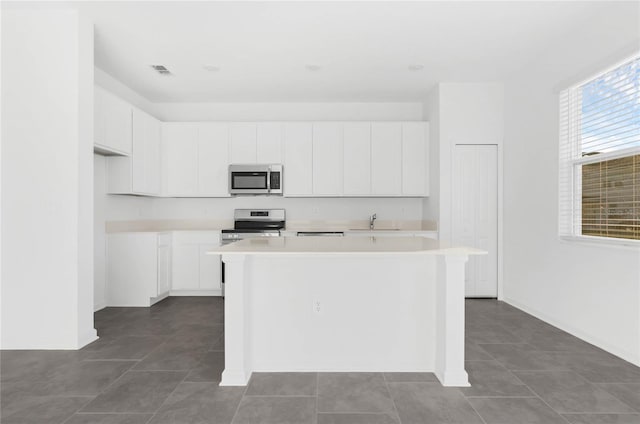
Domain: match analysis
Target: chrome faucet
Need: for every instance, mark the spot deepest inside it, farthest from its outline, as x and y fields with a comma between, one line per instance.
x=372, y=220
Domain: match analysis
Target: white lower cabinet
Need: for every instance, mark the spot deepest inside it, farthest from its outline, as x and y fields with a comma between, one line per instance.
x=138, y=268
x=193, y=271
x=164, y=263
x=144, y=268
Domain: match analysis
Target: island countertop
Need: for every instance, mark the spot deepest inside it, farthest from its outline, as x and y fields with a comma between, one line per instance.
x=341, y=245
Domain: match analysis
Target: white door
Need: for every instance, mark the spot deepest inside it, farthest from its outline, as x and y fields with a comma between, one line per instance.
x=213, y=160
x=414, y=159
x=186, y=267
x=152, y=155
x=327, y=159
x=180, y=142
x=357, y=158
x=139, y=150
x=209, y=268
x=269, y=142
x=475, y=214
x=298, y=159
x=243, y=143
x=164, y=269
x=386, y=158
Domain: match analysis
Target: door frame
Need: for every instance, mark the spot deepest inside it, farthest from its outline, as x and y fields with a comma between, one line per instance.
x=500, y=217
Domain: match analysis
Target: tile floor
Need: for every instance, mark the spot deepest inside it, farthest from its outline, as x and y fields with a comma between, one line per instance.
x=161, y=365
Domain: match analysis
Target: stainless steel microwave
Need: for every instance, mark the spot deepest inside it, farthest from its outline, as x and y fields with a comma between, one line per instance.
x=255, y=179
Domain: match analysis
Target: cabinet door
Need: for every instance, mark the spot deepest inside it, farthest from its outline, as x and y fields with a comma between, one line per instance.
x=152, y=155
x=99, y=117
x=138, y=183
x=357, y=158
x=414, y=159
x=164, y=269
x=186, y=264
x=269, y=142
x=327, y=159
x=209, y=268
x=213, y=160
x=180, y=142
x=386, y=159
x=243, y=143
x=112, y=122
x=298, y=159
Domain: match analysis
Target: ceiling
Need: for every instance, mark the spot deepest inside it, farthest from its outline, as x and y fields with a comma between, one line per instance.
x=364, y=49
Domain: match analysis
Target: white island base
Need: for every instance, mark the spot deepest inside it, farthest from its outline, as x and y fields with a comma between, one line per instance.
x=344, y=304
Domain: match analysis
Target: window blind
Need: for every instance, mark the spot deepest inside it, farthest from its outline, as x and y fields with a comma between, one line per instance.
x=600, y=155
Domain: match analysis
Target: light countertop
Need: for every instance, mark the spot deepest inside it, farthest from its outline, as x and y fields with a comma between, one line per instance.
x=159, y=225
x=341, y=245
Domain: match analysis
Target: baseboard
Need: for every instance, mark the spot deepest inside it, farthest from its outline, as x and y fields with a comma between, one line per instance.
x=85, y=339
x=155, y=300
x=634, y=358
x=217, y=292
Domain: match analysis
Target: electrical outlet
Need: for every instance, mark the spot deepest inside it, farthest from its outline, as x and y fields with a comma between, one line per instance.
x=316, y=306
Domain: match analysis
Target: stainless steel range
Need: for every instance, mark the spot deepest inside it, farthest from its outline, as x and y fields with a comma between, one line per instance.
x=250, y=223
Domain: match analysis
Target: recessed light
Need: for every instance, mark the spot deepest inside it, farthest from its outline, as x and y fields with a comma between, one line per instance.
x=313, y=68
x=211, y=68
x=416, y=67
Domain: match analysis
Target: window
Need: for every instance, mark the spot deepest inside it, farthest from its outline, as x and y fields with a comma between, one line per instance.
x=600, y=155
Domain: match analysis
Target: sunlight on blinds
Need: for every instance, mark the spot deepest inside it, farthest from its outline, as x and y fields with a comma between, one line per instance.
x=600, y=155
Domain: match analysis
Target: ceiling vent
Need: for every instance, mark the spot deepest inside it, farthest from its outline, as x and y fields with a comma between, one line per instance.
x=161, y=69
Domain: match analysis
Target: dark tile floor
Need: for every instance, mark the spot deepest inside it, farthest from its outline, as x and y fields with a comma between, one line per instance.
x=162, y=365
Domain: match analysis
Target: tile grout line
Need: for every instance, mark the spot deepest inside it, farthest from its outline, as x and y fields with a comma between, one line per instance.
x=393, y=401
x=317, y=396
x=241, y=399
x=167, y=398
x=77, y=410
x=539, y=397
x=474, y=409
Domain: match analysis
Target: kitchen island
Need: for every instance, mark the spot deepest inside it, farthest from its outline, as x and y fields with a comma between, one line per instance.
x=384, y=304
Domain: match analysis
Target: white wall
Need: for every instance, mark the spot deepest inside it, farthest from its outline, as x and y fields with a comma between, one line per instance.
x=592, y=291
x=460, y=113
x=47, y=127
x=123, y=91
x=298, y=209
x=431, y=113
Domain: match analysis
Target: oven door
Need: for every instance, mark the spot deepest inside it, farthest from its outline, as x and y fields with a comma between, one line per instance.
x=247, y=180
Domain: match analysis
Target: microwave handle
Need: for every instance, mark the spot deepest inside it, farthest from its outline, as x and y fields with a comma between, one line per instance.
x=269, y=181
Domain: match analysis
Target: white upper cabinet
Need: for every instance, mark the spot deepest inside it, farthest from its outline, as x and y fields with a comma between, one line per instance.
x=327, y=159
x=152, y=158
x=180, y=144
x=415, y=159
x=213, y=160
x=139, y=173
x=322, y=159
x=269, y=142
x=298, y=159
x=196, y=159
x=243, y=143
x=386, y=159
x=112, y=123
x=357, y=158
